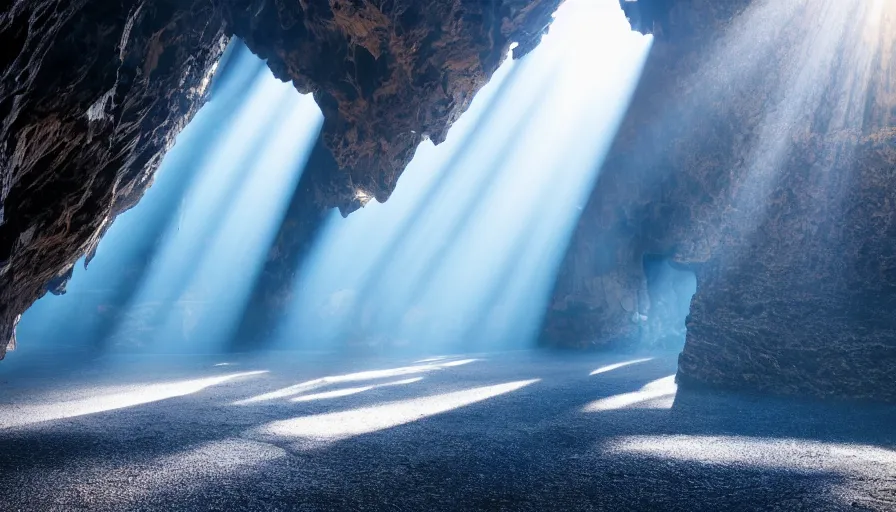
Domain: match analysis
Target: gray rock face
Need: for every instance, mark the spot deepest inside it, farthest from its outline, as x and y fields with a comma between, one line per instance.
x=760, y=150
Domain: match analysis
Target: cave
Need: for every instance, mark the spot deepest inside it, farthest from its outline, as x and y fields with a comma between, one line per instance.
x=453, y=255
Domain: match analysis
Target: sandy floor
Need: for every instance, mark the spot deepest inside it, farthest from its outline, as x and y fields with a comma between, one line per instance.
x=511, y=431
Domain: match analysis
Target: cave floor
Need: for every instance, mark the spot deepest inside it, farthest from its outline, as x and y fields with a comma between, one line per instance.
x=470, y=432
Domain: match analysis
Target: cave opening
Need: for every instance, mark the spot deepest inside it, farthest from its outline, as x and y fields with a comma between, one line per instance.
x=670, y=288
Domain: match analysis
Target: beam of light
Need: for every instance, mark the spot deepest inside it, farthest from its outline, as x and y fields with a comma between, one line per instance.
x=828, y=68
x=336, y=272
x=123, y=258
x=479, y=253
x=345, y=424
x=658, y=394
x=782, y=75
x=129, y=396
x=244, y=153
x=765, y=453
x=235, y=209
x=616, y=366
x=339, y=393
x=471, y=262
x=351, y=377
x=805, y=74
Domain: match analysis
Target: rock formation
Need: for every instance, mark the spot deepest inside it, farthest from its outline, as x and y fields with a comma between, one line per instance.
x=92, y=94
x=386, y=74
x=94, y=91
x=759, y=151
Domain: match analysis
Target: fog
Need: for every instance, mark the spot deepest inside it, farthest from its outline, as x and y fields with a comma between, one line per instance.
x=463, y=256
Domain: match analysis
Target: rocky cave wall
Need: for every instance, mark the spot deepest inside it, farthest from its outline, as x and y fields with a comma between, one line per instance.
x=777, y=188
x=797, y=280
x=93, y=93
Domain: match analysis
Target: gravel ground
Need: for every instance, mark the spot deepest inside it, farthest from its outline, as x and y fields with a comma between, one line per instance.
x=507, y=431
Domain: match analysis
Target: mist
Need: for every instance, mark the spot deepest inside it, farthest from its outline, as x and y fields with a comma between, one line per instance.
x=462, y=257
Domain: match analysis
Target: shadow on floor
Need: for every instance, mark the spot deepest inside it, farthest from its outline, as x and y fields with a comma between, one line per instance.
x=532, y=447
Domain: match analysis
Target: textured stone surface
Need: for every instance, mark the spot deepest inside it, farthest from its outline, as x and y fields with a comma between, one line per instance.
x=303, y=221
x=761, y=152
x=92, y=94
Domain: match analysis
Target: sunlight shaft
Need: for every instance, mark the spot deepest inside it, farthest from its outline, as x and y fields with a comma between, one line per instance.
x=656, y=394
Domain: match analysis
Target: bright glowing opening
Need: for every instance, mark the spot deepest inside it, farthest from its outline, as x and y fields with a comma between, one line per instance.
x=670, y=290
